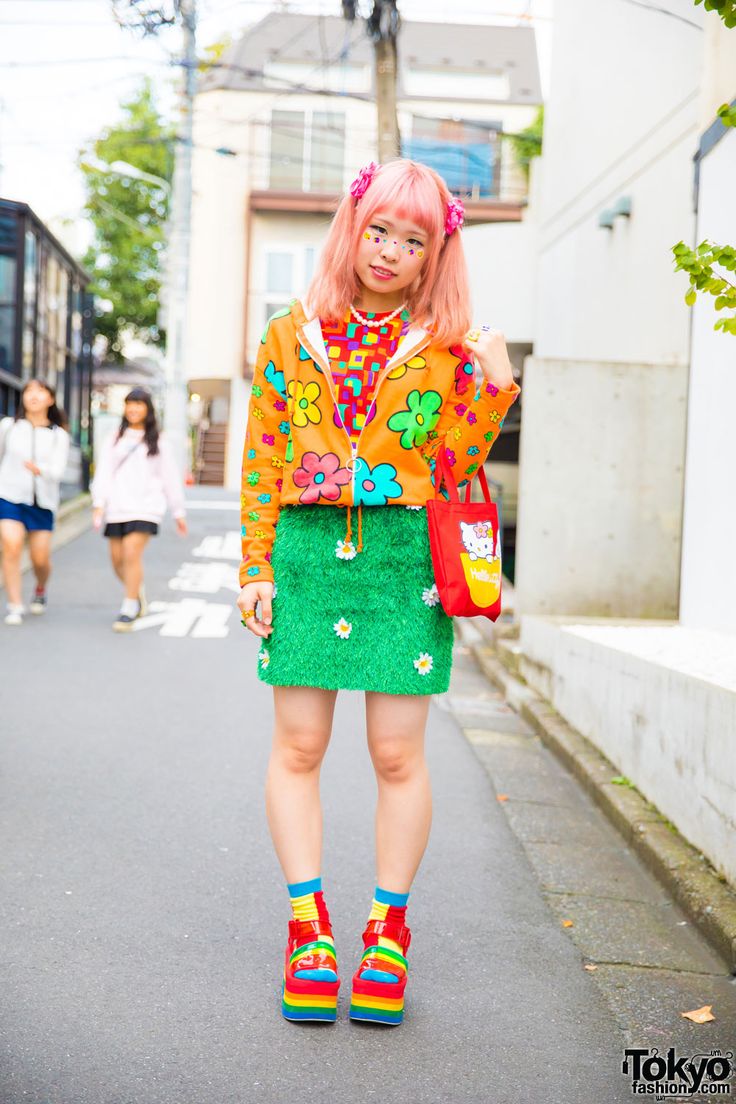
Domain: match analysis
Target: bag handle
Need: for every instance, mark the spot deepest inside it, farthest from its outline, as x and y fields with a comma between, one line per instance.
x=445, y=474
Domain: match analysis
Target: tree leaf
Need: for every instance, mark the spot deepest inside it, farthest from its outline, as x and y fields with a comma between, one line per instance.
x=700, y=1015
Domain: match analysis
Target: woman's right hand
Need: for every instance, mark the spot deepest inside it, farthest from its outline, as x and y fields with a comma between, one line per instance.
x=97, y=515
x=250, y=595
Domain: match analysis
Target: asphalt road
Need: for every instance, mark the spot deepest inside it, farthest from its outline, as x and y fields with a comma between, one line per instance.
x=143, y=914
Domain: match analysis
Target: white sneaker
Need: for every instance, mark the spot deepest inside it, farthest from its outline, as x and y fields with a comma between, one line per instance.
x=14, y=616
x=38, y=602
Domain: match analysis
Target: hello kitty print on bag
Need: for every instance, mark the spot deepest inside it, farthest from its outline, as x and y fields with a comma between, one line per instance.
x=481, y=561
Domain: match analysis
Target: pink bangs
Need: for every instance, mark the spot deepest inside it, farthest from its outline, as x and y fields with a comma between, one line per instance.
x=439, y=300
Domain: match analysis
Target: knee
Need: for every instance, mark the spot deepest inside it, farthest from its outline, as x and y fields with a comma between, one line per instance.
x=301, y=751
x=394, y=760
x=12, y=550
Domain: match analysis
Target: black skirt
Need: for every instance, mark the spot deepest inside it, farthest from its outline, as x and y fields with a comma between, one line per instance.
x=122, y=528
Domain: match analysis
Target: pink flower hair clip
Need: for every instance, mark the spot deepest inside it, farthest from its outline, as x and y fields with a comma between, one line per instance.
x=362, y=181
x=455, y=216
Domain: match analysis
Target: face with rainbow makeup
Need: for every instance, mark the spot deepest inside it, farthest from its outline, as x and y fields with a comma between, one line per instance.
x=390, y=256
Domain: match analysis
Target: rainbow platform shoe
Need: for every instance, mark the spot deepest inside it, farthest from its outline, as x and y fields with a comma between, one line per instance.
x=310, y=998
x=375, y=997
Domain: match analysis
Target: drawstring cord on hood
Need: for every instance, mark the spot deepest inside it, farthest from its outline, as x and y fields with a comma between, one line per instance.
x=349, y=533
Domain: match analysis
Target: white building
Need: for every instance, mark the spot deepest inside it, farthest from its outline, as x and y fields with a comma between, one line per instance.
x=627, y=448
x=281, y=127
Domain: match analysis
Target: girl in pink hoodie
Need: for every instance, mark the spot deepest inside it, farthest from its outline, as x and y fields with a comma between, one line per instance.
x=135, y=480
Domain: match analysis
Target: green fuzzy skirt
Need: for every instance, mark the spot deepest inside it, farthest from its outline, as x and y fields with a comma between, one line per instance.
x=369, y=621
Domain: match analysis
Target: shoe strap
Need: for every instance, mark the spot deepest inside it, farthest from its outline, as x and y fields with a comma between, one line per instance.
x=308, y=931
x=389, y=929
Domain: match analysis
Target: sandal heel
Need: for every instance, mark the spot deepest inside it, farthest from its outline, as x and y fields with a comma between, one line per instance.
x=312, y=1001
x=372, y=1001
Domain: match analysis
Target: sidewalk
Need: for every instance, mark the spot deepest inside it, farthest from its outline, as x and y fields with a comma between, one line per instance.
x=143, y=914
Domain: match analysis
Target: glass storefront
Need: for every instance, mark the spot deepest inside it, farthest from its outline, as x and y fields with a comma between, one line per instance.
x=45, y=326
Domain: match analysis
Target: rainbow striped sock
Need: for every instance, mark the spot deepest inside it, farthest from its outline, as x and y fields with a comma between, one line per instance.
x=307, y=903
x=387, y=906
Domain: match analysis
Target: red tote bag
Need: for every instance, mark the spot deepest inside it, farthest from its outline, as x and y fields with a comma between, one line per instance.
x=466, y=547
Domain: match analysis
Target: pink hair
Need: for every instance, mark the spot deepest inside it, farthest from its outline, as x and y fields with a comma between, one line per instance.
x=439, y=299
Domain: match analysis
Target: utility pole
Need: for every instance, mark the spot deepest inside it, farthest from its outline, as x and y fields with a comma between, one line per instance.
x=383, y=24
x=175, y=416
x=147, y=17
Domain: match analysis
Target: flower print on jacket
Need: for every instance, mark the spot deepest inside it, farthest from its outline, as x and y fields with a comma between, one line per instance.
x=465, y=372
x=415, y=423
x=417, y=362
x=374, y=487
x=303, y=403
x=321, y=477
x=276, y=378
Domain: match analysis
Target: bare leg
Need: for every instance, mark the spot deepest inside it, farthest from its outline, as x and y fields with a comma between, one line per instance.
x=12, y=534
x=396, y=725
x=303, y=725
x=39, y=541
x=133, y=546
x=116, y=557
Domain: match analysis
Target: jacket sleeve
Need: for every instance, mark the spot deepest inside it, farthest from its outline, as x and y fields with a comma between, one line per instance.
x=266, y=438
x=171, y=479
x=470, y=420
x=56, y=466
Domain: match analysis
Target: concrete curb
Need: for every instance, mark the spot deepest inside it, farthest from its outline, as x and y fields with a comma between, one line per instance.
x=72, y=519
x=686, y=874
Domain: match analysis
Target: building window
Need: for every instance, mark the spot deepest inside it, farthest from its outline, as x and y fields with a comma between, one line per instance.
x=307, y=150
x=279, y=273
x=326, y=154
x=7, y=313
x=287, y=149
x=466, y=155
x=287, y=274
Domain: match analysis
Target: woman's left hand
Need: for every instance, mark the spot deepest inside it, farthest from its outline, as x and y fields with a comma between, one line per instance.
x=181, y=526
x=489, y=346
x=32, y=467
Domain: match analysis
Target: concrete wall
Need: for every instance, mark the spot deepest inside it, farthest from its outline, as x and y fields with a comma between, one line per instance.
x=660, y=703
x=709, y=533
x=602, y=448
x=501, y=266
x=601, y=473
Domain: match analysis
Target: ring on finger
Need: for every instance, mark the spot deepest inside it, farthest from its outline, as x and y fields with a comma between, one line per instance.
x=247, y=614
x=473, y=335
x=486, y=329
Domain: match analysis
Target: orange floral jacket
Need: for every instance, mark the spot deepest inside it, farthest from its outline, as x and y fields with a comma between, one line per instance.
x=297, y=452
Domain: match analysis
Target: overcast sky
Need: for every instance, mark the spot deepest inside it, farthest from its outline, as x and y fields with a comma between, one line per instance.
x=65, y=65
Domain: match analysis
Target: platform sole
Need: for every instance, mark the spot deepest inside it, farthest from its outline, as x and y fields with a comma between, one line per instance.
x=369, y=1002
x=316, y=1002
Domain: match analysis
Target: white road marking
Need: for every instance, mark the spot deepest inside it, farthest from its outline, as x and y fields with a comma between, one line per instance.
x=225, y=546
x=190, y=616
x=206, y=578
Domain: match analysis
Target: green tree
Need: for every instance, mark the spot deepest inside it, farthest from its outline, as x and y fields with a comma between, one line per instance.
x=528, y=142
x=128, y=216
x=699, y=262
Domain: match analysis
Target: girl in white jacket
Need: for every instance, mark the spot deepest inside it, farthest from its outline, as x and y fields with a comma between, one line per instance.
x=34, y=449
x=136, y=477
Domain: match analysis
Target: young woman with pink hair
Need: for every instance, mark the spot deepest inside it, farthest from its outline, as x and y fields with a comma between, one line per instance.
x=355, y=391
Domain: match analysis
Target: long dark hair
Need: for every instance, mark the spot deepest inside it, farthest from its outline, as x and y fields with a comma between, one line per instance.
x=55, y=414
x=150, y=428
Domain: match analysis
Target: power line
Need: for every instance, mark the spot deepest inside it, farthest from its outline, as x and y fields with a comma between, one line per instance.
x=665, y=11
